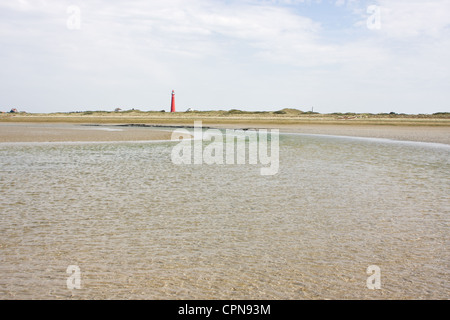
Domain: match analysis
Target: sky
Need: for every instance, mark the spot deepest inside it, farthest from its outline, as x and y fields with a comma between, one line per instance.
x=365, y=56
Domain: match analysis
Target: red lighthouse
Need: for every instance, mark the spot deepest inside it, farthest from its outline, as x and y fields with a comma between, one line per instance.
x=172, y=108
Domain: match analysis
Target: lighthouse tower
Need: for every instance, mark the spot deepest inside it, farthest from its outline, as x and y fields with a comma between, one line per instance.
x=172, y=108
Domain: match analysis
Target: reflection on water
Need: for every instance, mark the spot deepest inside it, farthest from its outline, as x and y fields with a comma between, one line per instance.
x=140, y=227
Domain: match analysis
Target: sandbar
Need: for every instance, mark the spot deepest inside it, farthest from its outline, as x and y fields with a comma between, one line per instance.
x=432, y=134
x=155, y=130
x=56, y=132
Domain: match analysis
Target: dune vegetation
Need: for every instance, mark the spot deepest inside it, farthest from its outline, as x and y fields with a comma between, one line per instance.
x=232, y=116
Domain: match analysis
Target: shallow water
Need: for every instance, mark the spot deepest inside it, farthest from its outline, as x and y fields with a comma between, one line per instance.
x=140, y=227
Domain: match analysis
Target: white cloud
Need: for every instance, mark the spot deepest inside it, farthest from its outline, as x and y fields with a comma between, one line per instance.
x=408, y=19
x=128, y=49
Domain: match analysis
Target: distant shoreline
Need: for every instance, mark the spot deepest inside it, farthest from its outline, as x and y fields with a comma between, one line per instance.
x=423, y=128
x=232, y=117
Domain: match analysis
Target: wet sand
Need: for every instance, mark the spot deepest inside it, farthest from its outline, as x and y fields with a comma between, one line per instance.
x=49, y=132
x=403, y=133
x=64, y=132
x=421, y=134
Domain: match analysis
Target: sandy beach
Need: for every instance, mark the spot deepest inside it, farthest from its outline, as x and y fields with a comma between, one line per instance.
x=405, y=133
x=50, y=132
x=126, y=126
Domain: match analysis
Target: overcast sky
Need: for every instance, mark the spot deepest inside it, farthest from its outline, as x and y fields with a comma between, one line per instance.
x=333, y=55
